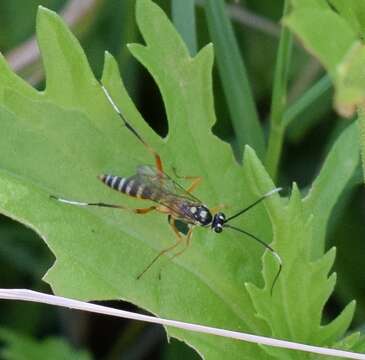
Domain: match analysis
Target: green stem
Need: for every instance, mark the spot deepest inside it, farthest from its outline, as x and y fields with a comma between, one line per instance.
x=306, y=100
x=278, y=103
x=361, y=117
x=233, y=74
x=183, y=17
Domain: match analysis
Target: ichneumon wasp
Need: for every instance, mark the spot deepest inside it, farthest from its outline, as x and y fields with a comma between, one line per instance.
x=170, y=198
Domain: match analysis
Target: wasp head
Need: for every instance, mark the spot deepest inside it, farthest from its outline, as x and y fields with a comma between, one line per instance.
x=218, y=222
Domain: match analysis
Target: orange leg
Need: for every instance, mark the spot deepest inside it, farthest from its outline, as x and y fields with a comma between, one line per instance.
x=187, y=243
x=158, y=161
x=143, y=210
x=195, y=183
x=196, y=180
x=215, y=209
x=180, y=239
x=187, y=239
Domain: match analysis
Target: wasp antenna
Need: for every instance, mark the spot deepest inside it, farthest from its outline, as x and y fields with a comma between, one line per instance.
x=79, y=203
x=117, y=110
x=71, y=202
x=263, y=197
x=279, y=271
x=110, y=99
x=268, y=247
x=272, y=192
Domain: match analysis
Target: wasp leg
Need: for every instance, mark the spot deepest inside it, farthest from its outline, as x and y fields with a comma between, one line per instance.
x=143, y=210
x=157, y=157
x=180, y=239
x=187, y=239
x=187, y=243
x=196, y=180
x=215, y=209
x=195, y=183
x=100, y=204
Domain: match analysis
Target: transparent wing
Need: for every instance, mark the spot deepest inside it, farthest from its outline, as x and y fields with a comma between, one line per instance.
x=163, y=183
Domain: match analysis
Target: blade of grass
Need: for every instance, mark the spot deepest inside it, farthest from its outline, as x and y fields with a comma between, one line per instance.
x=34, y=296
x=125, y=30
x=183, y=17
x=307, y=99
x=234, y=78
x=279, y=101
x=361, y=117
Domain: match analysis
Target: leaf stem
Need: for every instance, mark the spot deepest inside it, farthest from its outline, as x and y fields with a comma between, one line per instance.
x=278, y=102
x=306, y=100
x=234, y=79
x=361, y=117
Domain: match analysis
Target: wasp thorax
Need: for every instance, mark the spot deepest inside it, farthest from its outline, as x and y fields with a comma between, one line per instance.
x=201, y=214
x=218, y=222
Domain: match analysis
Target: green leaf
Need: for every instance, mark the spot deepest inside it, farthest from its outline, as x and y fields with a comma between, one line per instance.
x=234, y=78
x=301, y=278
x=353, y=342
x=8, y=78
x=354, y=12
x=58, y=141
x=343, y=54
x=67, y=135
x=328, y=48
x=350, y=82
x=19, y=347
x=338, y=47
x=310, y=4
x=335, y=174
x=299, y=229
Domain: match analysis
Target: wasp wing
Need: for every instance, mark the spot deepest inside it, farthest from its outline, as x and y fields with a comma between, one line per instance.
x=160, y=180
x=166, y=191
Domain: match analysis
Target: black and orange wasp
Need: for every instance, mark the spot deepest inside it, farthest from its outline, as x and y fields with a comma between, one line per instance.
x=170, y=198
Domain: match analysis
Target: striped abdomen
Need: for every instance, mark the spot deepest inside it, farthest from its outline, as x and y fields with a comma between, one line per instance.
x=130, y=186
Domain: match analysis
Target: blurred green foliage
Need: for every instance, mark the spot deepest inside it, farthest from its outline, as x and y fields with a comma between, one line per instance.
x=18, y=346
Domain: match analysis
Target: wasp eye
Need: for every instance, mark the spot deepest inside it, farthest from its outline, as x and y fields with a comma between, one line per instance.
x=218, y=229
x=218, y=222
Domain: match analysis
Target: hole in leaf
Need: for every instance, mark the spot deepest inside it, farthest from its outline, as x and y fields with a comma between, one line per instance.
x=151, y=104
